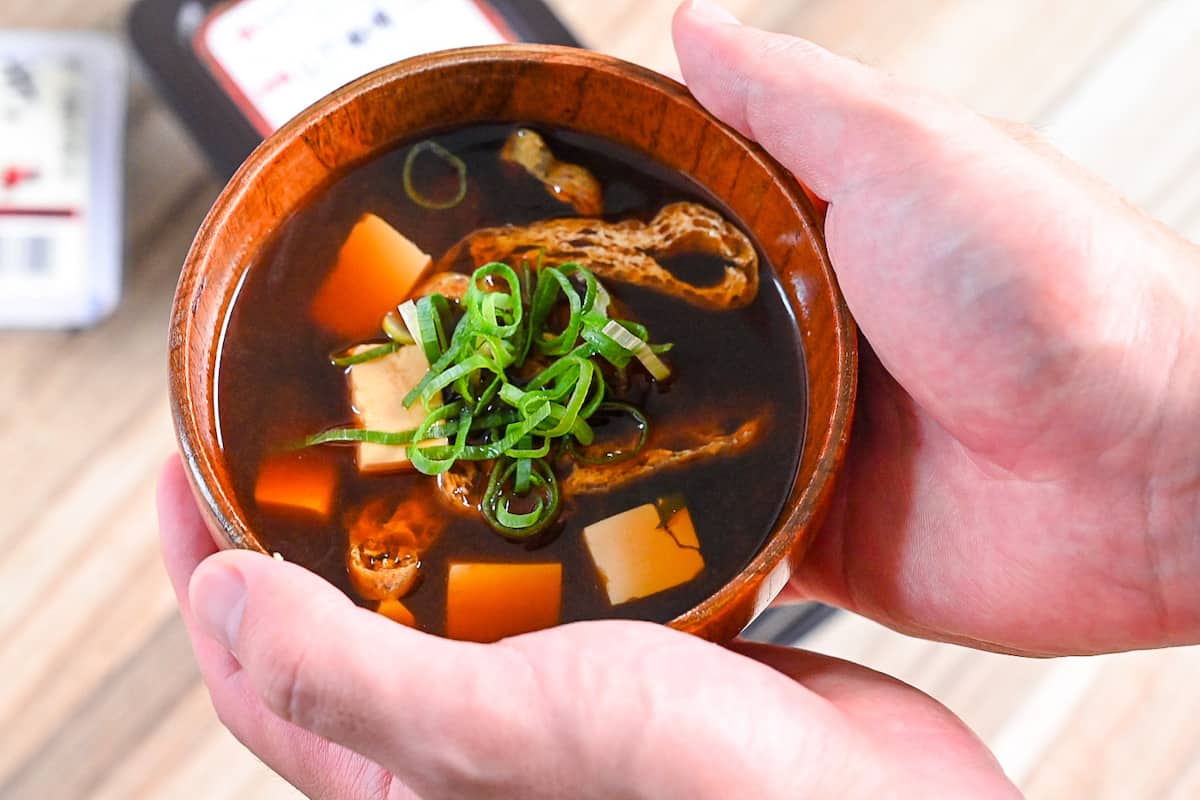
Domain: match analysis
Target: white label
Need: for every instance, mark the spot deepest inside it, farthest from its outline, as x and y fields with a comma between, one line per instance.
x=43, y=173
x=61, y=106
x=277, y=57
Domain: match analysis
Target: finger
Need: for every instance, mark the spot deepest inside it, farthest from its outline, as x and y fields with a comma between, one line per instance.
x=313, y=765
x=851, y=687
x=529, y=717
x=895, y=714
x=184, y=538
x=432, y=710
x=590, y=709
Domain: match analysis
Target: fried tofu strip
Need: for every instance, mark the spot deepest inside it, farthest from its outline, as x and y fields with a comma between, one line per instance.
x=570, y=183
x=451, y=285
x=461, y=486
x=596, y=478
x=628, y=251
x=383, y=557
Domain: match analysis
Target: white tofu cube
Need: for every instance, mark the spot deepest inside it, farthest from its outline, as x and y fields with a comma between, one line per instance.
x=637, y=555
x=377, y=390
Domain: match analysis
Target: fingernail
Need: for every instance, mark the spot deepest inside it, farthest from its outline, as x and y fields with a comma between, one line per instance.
x=219, y=600
x=709, y=11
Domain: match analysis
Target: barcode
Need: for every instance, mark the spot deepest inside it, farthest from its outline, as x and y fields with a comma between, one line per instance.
x=27, y=255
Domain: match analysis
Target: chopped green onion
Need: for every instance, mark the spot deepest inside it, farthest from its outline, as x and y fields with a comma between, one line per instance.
x=408, y=314
x=487, y=399
x=497, y=501
x=615, y=456
x=404, y=438
x=454, y=161
x=342, y=435
x=351, y=359
x=605, y=347
x=603, y=300
x=552, y=282
x=495, y=313
x=517, y=521
x=395, y=329
x=653, y=364
x=430, y=311
x=524, y=472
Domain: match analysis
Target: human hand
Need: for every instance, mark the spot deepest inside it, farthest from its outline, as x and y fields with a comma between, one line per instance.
x=1024, y=473
x=344, y=703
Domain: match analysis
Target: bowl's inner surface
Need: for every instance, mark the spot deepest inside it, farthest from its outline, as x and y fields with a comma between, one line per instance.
x=275, y=384
x=552, y=88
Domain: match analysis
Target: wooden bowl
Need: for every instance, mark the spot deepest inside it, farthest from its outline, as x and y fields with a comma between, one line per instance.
x=550, y=86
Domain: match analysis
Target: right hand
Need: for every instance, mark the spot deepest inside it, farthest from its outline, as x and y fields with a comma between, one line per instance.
x=1024, y=472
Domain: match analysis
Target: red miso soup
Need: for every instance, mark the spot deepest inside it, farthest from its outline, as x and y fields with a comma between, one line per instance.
x=508, y=377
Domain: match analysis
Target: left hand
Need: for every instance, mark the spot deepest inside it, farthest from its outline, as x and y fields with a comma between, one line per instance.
x=344, y=703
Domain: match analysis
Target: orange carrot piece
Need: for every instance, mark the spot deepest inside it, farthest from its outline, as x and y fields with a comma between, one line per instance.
x=376, y=270
x=302, y=481
x=397, y=612
x=487, y=602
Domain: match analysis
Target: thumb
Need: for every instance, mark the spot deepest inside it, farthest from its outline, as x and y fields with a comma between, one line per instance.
x=413, y=703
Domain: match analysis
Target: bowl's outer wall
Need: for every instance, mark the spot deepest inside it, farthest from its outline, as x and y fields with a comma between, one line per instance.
x=552, y=86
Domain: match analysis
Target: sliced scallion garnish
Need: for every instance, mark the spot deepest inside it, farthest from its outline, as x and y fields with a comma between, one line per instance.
x=363, y=356
x=477, y=349
x=395, y=329
x=614, y=456
x=445, y=155
x=621, y=335
x=497, y=501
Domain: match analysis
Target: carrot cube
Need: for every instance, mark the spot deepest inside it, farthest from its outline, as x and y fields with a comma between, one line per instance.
x=377, y=269
x=487, y=602
x=300, y=481
x=397, y=612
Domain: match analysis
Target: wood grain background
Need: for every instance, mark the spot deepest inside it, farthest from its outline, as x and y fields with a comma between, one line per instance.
x=98, y=694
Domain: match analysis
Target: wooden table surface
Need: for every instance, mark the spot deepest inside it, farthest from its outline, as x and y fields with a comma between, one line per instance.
x=99, y=697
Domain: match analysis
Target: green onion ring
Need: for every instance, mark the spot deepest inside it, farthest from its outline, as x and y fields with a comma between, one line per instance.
x=445, y=155
x=485, y=307
x=616, y=456
x=541, y=477
x=524, y=473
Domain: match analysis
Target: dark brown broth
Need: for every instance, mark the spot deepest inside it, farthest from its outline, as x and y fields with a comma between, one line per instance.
x=276, y=384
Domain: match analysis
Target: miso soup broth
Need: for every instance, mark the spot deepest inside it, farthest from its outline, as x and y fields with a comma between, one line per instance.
x=666, y=526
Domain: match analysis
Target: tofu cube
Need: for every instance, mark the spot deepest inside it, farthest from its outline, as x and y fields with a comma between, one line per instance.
x=376, y=270
x=377, y=390
x=638, y=554
x=488, y=602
